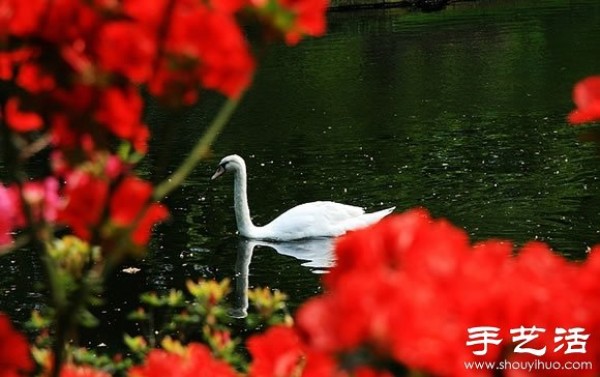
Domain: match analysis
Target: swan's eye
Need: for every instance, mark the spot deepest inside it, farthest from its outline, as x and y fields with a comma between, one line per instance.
x=224, y=164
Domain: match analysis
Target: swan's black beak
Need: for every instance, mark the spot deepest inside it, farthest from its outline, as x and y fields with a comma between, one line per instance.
x=220, y=171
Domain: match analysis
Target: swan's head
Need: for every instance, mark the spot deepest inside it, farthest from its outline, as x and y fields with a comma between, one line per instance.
x=229, y=163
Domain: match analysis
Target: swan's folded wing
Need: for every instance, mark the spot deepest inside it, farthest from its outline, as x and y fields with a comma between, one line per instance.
x=313, y=219
x=365, y=219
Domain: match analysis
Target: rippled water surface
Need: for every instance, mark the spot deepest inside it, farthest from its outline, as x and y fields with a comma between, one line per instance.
x=461, y=112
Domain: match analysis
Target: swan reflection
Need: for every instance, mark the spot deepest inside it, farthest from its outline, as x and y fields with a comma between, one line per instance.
x=317, y=254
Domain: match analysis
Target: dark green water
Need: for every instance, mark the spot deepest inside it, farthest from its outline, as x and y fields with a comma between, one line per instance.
x=461, y=112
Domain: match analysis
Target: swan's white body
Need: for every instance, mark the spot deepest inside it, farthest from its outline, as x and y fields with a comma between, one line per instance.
x=309, y=220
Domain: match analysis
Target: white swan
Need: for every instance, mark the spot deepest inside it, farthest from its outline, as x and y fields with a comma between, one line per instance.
x=309, y=220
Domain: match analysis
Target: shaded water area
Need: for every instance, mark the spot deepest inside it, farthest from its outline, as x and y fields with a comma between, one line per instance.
x=461, y=112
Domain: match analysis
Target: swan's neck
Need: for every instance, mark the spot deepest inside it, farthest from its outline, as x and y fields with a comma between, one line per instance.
x=242, y=211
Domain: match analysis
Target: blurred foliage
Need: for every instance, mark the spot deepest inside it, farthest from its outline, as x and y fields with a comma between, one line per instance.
x=174, y=318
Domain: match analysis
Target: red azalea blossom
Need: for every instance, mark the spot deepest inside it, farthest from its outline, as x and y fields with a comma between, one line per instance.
x=228, y=6
x=309, y=19
x=586, y=96
x=85, y=60
x=34, y=80
x=70, y=370
x=120, y=112
x=149, y=14
x=196, y=361
x=21, y=18
x=410, y=287
x=70, y=23
x=214, y=39
x=154, y=214
x=64, y=136
x=85, y=197
x=276, y=353
x=6, y=66
x=227, y=68
x=126, y=48
x=280, y=352
x=19, y=120
x=15, y=359
x=129, y=199
x=175, y=87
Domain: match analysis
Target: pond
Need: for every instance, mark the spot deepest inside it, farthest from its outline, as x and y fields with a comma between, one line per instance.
x=461, y=112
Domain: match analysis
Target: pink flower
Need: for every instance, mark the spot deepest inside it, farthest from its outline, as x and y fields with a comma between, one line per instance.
x=41, y=198
x=7, y=216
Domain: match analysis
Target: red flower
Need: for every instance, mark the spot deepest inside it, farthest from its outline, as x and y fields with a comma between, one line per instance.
x=154, y=214
x=21, y=121
x=276, y=353
x=85, y=197
x=69, y=22
x=15, y=359
x=280, y=352
x=309, y=19
x=228, y=67
x=149, y=14
x=196, y=361
x=126, y=48
x=127, y=203
x=128, y=200
x=175, y=86
x=70, y=370
x=228, y=6
x=586, y=96
x=32, y=78
x=409, y=288
x=215, y=42
x=120, y=112
x=21, y=18
x=6, y=66
x=71, y=126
